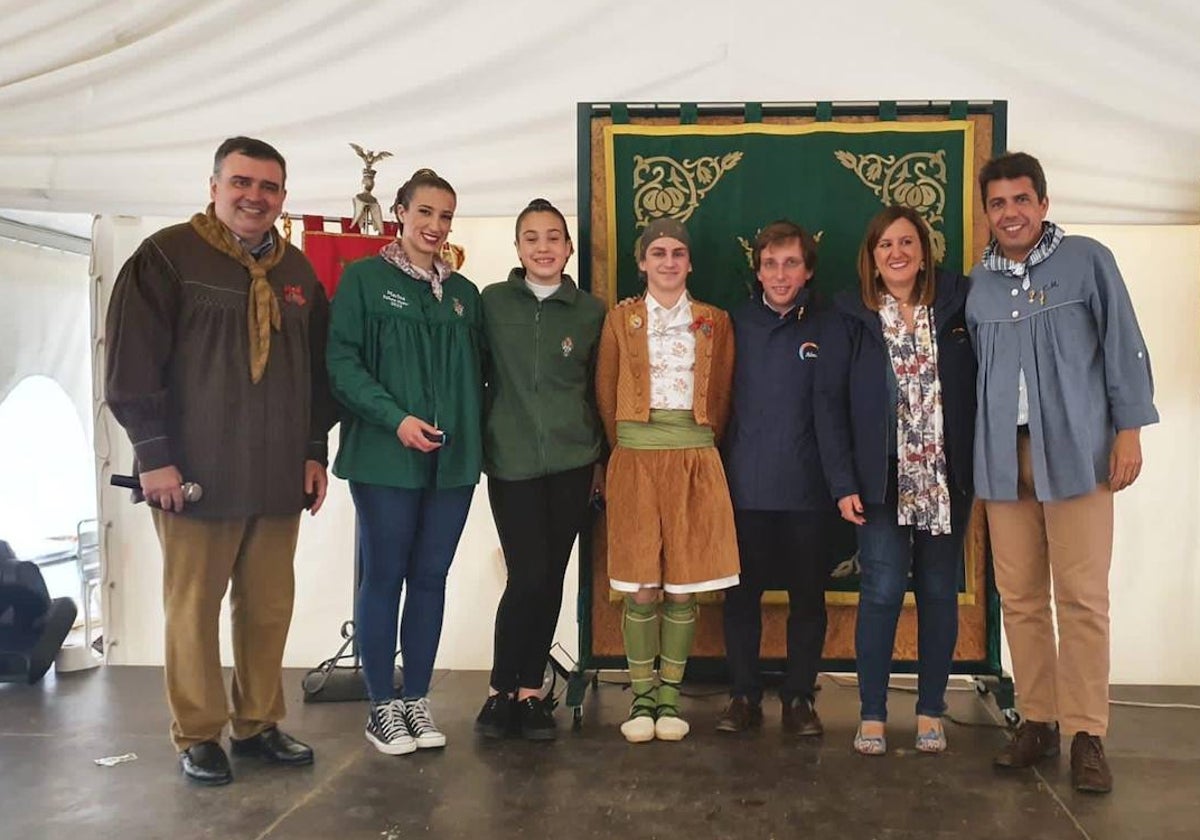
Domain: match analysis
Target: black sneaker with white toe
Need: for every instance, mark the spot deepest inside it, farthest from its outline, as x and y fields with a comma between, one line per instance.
x=421, y=724
x=387, y=729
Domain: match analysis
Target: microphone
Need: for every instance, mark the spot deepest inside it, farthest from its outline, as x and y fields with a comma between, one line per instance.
x=192, y=492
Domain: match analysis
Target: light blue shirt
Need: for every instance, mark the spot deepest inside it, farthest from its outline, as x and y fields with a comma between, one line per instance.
x=1074, y=334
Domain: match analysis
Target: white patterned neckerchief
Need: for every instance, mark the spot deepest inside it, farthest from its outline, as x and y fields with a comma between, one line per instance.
x=994, y=260
x=922, y=490
x=393, y=252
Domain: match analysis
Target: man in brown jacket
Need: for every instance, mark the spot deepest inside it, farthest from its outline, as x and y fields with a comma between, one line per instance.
x=215, y=367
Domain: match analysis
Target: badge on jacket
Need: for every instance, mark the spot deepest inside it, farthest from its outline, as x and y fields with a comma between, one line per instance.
x=458, y=307
x=294, y=294
x=808, y=350
x=567, y=346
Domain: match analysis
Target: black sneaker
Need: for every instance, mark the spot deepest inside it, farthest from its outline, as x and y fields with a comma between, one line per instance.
x=495, y=719
x=537, y=721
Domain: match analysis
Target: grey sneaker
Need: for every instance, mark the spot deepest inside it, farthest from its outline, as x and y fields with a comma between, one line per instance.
x=387, y=729
x=421, y=725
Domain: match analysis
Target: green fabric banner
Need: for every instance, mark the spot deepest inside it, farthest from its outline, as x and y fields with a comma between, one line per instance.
x=725, y=182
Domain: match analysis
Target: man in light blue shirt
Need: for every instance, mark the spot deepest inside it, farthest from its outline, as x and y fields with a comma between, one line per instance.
x=1064, y=388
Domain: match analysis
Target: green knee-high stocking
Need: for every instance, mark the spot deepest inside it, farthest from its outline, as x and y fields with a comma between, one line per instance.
x=639, y=627
x=678, y=631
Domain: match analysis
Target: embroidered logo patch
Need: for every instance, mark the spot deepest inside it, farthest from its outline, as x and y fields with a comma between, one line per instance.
x=395, y=298
x=294, y=295
x=458, y=307
x=809, y=350
x=567, y=346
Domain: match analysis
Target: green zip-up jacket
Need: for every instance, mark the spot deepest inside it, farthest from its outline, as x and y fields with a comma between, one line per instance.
x=541, y=407
x=395, y=350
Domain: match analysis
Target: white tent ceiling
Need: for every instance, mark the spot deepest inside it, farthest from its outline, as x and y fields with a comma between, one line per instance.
x=115, y=106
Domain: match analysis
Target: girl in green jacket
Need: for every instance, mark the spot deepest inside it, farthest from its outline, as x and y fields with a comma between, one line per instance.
x=404, y=360
x=542, y=440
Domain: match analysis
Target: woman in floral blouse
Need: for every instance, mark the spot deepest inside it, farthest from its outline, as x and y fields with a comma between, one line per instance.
x=895, y=419
x=663, y=381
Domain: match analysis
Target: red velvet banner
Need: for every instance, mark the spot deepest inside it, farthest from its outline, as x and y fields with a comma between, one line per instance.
x=330, y=253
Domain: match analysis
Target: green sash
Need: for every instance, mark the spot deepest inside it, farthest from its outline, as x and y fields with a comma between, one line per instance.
x=667, y=429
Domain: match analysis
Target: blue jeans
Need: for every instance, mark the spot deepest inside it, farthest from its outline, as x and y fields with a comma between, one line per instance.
x=405, y=536
x=886, y=552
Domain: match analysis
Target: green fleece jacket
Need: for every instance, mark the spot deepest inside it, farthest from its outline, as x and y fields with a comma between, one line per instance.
x=395, y=350
x=540, y=369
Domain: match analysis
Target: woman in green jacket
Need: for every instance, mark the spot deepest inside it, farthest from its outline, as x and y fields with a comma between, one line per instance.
x=404, y=361
x=542, y=441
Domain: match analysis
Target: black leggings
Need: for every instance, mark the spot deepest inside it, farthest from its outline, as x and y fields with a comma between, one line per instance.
x=538, y=520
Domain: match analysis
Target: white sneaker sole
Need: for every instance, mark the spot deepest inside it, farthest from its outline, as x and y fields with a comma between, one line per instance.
x=430, y=741
x=396, y=748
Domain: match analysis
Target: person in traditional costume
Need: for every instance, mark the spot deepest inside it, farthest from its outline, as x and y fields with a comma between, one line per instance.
x=663, y=382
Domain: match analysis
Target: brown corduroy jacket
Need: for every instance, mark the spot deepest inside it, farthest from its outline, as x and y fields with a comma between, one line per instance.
x=623, y=367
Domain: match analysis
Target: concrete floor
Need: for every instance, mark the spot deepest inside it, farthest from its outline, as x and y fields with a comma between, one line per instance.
x=587, y=784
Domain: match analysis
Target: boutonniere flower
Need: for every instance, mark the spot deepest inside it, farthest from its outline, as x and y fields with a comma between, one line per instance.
x=458, y=307
x=567, y=346
x=703, y=323
x=635, y=321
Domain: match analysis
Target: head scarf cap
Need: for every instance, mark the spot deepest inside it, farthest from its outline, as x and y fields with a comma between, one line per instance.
x=660, y=228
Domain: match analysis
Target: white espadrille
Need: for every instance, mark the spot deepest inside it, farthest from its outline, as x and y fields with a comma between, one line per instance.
x=638, y=730
x=671, y=728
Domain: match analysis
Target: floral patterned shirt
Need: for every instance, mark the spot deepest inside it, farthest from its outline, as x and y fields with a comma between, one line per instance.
x=672, y=353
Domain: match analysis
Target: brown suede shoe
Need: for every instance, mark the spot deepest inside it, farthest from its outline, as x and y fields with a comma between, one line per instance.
x=739, y=716
x=800, y=717
x=1089, y=767
x=1031, y=743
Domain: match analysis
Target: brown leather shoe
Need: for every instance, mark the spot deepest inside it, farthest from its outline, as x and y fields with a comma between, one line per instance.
x=1089, y=767
x=740, y=715
x=800, y=717
x=1031, y=743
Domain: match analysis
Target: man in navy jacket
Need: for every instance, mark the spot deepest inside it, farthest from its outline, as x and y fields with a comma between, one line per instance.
x=781, y=502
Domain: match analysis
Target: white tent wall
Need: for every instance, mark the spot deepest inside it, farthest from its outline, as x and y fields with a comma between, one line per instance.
x=45, y=332
x=45, y=451
x=106, y=103
x=1156, y=564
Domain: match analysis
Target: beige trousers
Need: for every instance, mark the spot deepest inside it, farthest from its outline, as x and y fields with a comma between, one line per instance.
x=201, y=558
x=1067, y=544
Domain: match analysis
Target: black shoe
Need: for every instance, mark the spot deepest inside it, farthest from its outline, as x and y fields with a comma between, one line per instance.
x=496, y=718
x=537, y=721
x=800, y=717
x=206, y=764
x=274, y=745
x=740, y=715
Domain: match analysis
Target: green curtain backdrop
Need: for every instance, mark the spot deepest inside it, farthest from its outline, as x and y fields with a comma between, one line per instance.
x=725, y=182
